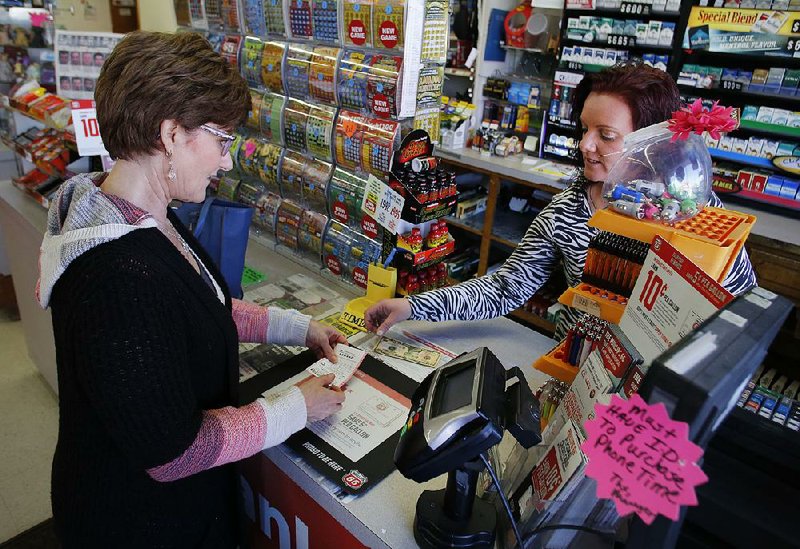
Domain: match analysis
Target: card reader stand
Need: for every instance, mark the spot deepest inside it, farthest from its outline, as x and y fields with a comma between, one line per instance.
x=458, y=413
x=453, y=517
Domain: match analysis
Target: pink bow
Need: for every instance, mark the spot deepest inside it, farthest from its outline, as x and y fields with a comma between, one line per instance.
x=696, y=119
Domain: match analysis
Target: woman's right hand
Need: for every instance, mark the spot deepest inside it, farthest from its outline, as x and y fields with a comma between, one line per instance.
x=386, y=313
x=321, y=401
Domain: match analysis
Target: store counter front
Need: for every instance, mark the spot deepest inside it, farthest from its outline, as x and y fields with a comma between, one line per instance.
x=288, y=506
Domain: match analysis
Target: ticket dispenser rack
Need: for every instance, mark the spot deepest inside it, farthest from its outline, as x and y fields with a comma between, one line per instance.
x=458, y=413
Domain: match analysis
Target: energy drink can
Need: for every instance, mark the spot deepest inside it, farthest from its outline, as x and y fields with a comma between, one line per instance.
x=424, y=163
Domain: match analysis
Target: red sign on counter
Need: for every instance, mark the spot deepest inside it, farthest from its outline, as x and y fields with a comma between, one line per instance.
x=282, y=515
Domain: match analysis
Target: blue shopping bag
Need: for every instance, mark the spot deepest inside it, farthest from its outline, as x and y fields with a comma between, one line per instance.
x=222, y=228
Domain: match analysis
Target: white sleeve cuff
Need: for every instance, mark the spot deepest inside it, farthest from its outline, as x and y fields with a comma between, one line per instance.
x=287, y=327
x=286, y=414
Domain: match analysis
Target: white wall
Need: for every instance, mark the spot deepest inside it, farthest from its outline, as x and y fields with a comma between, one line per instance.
x=83, y=15
x=157, y=15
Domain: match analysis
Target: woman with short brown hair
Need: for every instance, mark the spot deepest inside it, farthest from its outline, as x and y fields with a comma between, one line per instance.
x=145, y=328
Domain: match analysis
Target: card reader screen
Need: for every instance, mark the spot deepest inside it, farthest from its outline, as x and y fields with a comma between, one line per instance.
x=455, y=391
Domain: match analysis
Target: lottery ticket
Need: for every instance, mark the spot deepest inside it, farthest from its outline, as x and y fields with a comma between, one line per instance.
x=349, y=359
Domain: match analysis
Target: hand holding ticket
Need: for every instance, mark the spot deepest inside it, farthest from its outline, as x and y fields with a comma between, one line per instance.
x=350, y=359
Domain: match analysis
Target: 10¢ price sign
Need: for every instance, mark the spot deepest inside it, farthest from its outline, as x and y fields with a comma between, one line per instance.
x=383, y=204
x=87, y=130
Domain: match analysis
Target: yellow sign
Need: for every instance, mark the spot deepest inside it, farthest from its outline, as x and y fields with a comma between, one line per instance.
x=790, y=164
x=743, y=20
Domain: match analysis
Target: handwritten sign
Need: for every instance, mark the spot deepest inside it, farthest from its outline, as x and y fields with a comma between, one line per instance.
x=641, y=459
x=383, y=204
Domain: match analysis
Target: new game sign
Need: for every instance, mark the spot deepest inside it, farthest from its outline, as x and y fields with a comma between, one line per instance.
x=743, y=31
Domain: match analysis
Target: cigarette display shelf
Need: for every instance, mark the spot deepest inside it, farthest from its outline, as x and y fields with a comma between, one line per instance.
x=748, y=195
x=581, y=67
x=733, y=98
x=553, y=364
x=637, y=49
x=761, y=128
x=649, y=13
x=711, y=239
x=754, y=161
x=596, y=301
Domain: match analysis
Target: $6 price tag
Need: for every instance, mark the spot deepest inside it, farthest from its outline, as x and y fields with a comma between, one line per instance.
x=87, y=130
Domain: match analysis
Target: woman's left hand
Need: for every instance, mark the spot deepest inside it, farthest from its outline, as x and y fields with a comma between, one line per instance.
x=322, y=339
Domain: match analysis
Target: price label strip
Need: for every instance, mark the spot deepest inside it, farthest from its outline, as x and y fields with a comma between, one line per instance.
x=621, y=40
x=87, y=130
x=349, y=359
x=383, y=204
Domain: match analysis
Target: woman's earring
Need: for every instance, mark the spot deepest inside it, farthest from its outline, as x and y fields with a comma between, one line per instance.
x=171, y=173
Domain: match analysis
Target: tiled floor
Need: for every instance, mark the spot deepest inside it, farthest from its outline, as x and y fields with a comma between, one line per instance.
x=28, y=431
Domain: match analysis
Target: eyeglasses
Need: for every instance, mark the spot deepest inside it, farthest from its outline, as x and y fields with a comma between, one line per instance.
x=227, y=138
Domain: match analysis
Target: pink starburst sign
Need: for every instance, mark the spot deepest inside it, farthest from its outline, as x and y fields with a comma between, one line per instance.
x=641, y=459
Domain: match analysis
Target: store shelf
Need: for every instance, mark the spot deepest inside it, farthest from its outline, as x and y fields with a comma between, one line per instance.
x=472, y=224
x=754, y=196
x=737, y=98
x=769, y=129
x=507, y=102
x=49, y=169
x=581, y=67
x=536, y=174
x=754, y=161
x=509, y=227
x=561, y=123
x=656, y=15
x=514, y=48
x=462, y=72
x=533, y=319
x=638, y=48
x=66, y=130
x=527, y=79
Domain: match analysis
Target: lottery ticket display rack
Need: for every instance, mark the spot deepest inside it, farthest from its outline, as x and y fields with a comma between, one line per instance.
x=334, y=86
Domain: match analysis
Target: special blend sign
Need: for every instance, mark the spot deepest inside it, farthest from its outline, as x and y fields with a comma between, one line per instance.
x=743, y=31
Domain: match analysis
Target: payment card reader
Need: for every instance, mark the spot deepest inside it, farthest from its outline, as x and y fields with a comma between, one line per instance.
x=458, y=413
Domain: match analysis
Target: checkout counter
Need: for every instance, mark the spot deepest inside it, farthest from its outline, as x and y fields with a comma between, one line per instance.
x=287, y=505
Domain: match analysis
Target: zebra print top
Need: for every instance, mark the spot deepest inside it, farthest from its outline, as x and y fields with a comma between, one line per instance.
x=560, y=231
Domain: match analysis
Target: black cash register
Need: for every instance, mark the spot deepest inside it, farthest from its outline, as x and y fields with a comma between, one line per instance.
x=458, y=413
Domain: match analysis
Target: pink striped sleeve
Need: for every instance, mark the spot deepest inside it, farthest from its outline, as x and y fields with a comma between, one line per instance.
x=252, y=321
x=226, y=435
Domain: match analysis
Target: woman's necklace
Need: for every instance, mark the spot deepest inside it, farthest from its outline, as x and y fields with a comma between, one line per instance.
x=590, y=195
x=176, y=239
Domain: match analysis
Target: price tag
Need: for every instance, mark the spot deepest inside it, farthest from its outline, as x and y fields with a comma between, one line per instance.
x=583, y=303
x=383, y=204
x=796, y=26
x=732, y=85
x=634, y=9
x=793, y=45
x=573, y=66
x=621, y=40
x=87, y=130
